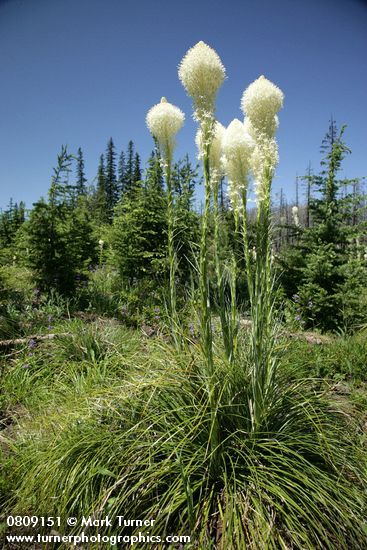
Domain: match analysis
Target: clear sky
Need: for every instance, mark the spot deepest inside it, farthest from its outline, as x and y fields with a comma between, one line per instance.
x=76, y=72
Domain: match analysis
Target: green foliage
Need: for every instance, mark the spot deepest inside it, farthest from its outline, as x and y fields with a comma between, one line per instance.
x=352, y=294
x=129, y=169
x=186, y=235
x=102, y=295
x=58, y=241
x=141, y=450
x=322, y=268
x=336, y=358
x=10, y=222
x=111, y=185
x=100, y=205
x=81, y=180
x=138, y=234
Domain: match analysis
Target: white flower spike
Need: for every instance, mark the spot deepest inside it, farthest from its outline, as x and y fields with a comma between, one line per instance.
x=202, y=73
x=295, y=215
x=260, y=103
x=164, y=120
x=238, y=148
x=263, y=163
x=215, y=150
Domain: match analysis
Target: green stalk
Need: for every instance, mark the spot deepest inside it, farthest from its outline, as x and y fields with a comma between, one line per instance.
x=171, y=253
x=203, y=267
x=220, y=279
x=233, y=286
x=261, y=309
x=246, y=245
x=206, y=328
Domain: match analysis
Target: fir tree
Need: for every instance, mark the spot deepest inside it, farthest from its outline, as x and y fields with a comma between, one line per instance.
x=130, y=167
x=111, y=185
x=101, y=205
x=154, y=172
x=81, y=180
x=184, y=178
x=59, y=234
x=121, y=171
x=137, y=170
x=10, y=222
x=139, y=234
x=314, y=270
x=308, y=178
x=61, y=191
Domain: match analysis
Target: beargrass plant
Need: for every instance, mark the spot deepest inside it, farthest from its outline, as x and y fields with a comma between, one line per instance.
x=141, y=448
x=202, y=74
x=164, y=120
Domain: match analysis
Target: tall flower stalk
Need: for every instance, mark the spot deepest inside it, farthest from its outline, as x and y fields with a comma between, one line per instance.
x=260, y=103
x=216, y=174
x=164, y=121
x=237, y=150
x=202, y=73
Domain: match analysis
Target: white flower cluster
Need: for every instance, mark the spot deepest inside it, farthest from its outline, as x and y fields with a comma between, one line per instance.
x=263, y=162
x=260, y=103
x=164, y=120
x=202, y=74
x=241, y=148
x=214, y=144
x=295, y=215
x=238, y=147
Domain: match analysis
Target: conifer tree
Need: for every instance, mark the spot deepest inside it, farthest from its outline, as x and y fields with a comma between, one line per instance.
x=130, y=172
x=10, y=221
x=130, y=166
x=320, y=271
x=308, y=178
x=154, y=173
x=61, y=191
x=137, y=170
x=59, y=234
x=111, y=185
x=81, y=180
x=184, y=178
x=139, y=234
x=101, y=206
x=121, y=173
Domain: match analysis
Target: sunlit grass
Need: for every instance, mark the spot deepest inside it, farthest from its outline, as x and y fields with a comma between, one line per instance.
x=139, y=445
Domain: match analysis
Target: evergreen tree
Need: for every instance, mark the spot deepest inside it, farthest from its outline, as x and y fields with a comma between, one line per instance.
x=11, y=220
x=61, y=191
x=314, y=269
x=154, y=172
x=81, y=180
x=308, y=178
x=184, y=178
x=130, y=167
x=139, y=234
x=121, y=171
x=59, y=234
x=101, y=205
x=137, y=170
x=111, y=185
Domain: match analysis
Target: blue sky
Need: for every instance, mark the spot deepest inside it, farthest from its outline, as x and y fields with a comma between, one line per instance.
x=76, y=72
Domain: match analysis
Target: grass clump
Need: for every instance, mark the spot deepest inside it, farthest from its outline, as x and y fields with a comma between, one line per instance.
x=142, y=449
x=337, y=358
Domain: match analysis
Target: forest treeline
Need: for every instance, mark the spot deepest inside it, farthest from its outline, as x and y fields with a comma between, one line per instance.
x=116, y=229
